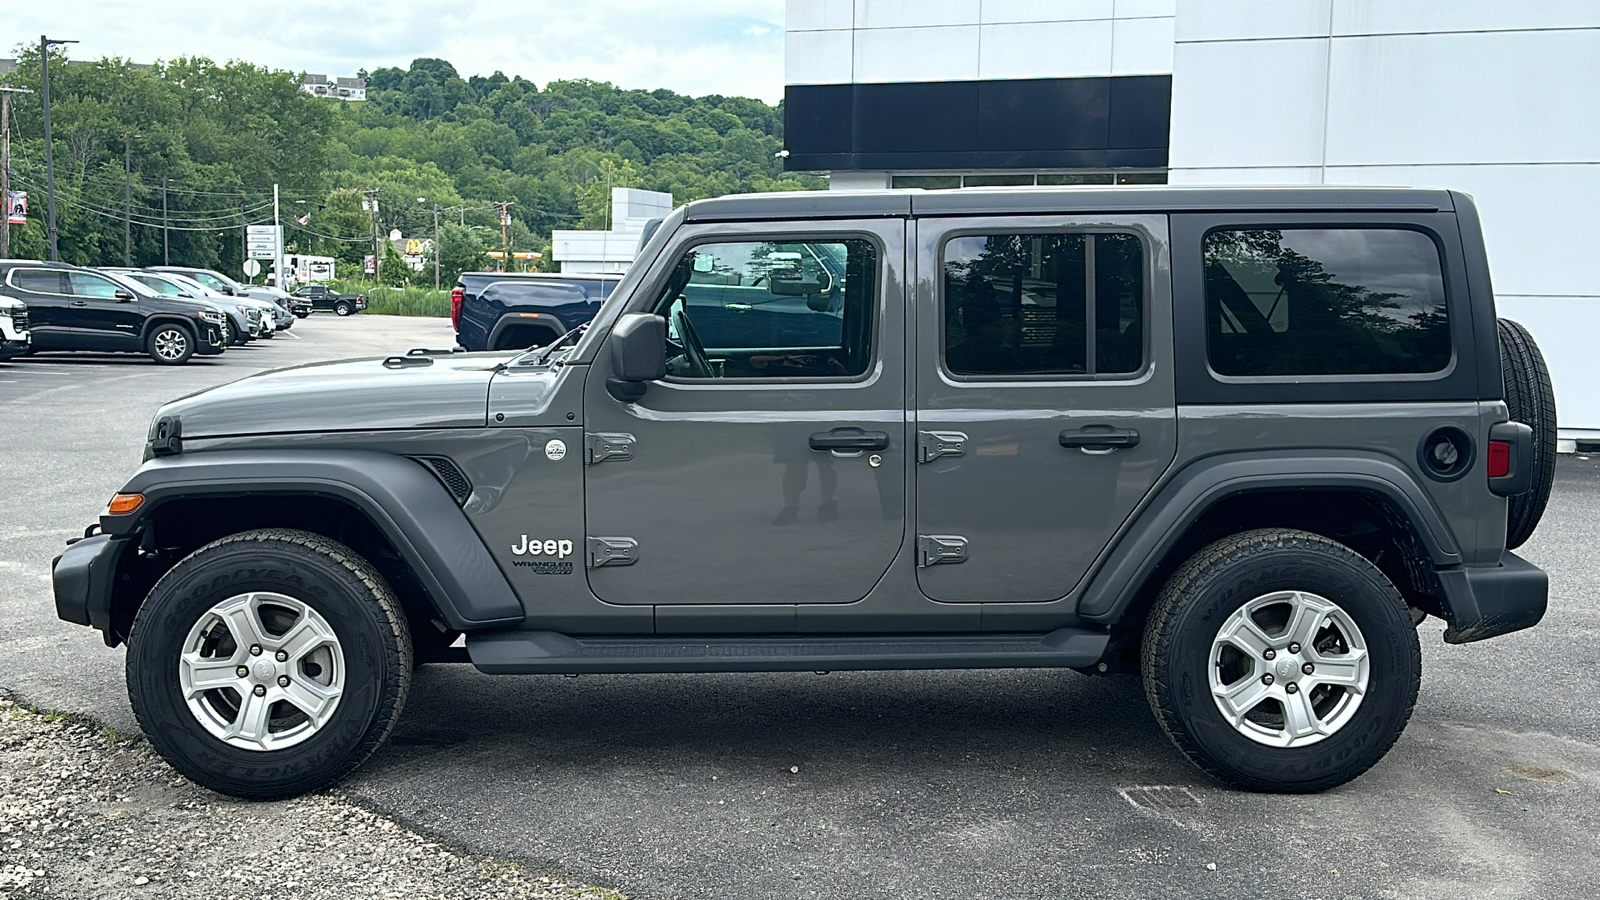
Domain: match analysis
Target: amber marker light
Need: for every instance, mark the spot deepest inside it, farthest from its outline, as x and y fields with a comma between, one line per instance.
x=122, y=504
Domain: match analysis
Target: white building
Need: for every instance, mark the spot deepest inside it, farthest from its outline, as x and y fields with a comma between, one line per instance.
x=339, y=88
x=592, y=252
x=1497, y=99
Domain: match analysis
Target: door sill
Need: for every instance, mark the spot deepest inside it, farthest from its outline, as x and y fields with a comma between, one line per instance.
x=535, y=652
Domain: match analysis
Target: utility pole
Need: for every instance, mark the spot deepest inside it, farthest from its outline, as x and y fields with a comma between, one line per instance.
x=244, y=244
x=277, y=261
x=371, y=203
x=505, y=241
x=5, y=166
x=438, y=248
x=49, y=158
x=127, y=199
x=166, y=256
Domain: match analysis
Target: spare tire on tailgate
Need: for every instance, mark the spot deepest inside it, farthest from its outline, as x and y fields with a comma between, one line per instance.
x=1531, y=401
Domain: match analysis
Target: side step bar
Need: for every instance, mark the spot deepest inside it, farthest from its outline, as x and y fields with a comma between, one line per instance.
x=534, y=652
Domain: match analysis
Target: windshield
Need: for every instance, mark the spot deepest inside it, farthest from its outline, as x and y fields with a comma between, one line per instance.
x=138, y=289
x=192, y=286
x=215, y=280
x=158, y=284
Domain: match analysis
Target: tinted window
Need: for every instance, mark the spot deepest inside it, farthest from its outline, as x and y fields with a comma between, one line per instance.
x=40, y=281
x=762, y=309
x=1324, y=301
x=85, y=284
x=1044, y=304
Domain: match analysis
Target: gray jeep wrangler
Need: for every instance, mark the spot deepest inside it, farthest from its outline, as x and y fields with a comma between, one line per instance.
x=1239, y=441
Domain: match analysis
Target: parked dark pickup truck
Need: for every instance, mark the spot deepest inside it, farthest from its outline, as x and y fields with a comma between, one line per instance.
x=325, y=299
x=513, y=310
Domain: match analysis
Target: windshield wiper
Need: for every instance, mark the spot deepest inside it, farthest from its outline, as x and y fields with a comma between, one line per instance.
x=551, y=348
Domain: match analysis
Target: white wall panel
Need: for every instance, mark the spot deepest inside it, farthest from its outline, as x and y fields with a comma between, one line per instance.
x=818, y=57
x=1002, y=11
x=814, y=15
x=1302, y=175
x=916, y=54
x=1141, y=47
x=1388, y=16
x=1540, y=240
x=915, y=13
x=1132, y=9
x=1485, y=97
x=1046, y=50
x=1229, y=20
x=1251, y=103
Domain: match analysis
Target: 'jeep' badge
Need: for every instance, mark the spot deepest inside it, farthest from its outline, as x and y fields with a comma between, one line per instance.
x=555, y=451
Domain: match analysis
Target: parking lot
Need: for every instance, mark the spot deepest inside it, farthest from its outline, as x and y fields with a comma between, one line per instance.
x=1015, y=784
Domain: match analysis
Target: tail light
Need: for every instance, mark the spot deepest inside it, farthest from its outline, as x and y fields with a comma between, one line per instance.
x=1499, y=459
x=1509, y=458
x=455, y=307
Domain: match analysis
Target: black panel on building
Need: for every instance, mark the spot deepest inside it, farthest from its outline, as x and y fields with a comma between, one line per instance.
x=1041, y=123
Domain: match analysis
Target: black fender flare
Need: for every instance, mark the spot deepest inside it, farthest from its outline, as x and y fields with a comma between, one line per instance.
x=1197, y=487
x=513, y=319
x=159, y=319
x=402, y=498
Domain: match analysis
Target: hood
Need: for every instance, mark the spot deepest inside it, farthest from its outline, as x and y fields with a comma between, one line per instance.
x=349, y=395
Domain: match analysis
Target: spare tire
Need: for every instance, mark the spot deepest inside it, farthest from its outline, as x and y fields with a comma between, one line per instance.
x=1531, y=401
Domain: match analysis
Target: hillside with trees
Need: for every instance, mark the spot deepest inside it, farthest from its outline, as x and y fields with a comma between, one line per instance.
x=220, y=135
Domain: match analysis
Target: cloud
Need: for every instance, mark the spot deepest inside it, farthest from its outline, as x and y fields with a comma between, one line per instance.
x=732, y=47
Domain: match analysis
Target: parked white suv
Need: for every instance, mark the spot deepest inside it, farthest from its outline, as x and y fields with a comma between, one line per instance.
x=14, y=337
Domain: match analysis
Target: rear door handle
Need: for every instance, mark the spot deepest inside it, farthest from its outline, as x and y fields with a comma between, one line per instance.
x=1099, y=438
x=850, y=439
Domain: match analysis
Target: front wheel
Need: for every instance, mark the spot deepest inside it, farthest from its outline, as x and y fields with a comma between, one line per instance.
x=269, y=663
x=302, y=315
x=170, y=345
x=342, y=308
x=1280, y=660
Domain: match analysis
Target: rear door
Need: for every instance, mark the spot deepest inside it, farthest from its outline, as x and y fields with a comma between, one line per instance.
x=50, y=314
x=105, y=320
x=1045, y=409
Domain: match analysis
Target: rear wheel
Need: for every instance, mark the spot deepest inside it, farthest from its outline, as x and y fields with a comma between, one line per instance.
x=1279, y=660
x=268, y=663
x=170, y=344
x=342, y=308
x=1531, y=400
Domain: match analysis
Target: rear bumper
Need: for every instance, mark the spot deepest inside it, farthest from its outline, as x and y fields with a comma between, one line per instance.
x=82, y=579
x=1488, y=601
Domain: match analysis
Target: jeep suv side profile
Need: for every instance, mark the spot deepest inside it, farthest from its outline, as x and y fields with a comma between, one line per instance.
x=73, y=308
x=1237, y=441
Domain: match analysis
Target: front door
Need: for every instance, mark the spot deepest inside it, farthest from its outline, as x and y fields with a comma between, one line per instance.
x=769, y=466
x=1044, y=397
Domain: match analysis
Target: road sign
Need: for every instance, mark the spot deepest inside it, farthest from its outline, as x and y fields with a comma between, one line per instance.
x=252, y=268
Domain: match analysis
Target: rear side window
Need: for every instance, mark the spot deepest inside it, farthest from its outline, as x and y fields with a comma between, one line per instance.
x=1324, y=301
x=1044, y=304
x=39, y=281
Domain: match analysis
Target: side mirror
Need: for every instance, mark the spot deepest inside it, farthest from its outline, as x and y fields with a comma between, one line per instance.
x=638, y=354
x=795, y=287
x=123, y=296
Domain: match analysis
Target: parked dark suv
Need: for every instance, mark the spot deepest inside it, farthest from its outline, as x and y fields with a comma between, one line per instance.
x=73, y=308
x=1238, y=441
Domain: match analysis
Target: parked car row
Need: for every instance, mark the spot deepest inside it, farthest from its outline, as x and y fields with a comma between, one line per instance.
x=170, y=313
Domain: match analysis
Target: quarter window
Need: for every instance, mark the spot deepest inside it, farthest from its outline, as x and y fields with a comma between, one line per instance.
x=772, y=309
x=1044, y=304
x=1324, y=301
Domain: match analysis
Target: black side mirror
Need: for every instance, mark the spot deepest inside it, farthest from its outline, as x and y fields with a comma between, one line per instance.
x=123, y=296
x=795, y=287
x=638, y=354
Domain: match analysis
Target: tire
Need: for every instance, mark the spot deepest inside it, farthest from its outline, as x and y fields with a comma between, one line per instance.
x=317, y=586
x=170, y=344
x=1275, y=571
x=342, y=308
x=1531, y=400
x=302, y=315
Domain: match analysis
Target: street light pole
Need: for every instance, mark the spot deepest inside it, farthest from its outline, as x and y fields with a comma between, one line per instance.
x=49, y=158
x=127, y=199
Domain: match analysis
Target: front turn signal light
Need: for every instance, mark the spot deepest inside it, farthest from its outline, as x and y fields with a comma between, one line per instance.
x=122, y=504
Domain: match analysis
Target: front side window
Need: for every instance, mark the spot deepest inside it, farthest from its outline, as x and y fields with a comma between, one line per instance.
x=87, y=284
x=1324, y=301
x=1044, y=304
x=772, y=309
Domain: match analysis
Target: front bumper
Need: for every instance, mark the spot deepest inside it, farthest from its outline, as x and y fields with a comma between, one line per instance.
x=82, y=579
x=9, y=349
x=1488, y=601
x=211, y=342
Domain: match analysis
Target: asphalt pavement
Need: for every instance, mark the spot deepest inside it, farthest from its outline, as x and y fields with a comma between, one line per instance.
x=1013, y=784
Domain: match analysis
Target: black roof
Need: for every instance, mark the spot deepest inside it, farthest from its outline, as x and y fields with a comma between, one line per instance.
x=1022, y=201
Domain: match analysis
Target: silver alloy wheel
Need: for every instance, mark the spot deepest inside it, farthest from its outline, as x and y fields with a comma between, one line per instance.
x=1288, y=669
x=171, y=343
x=262, y=671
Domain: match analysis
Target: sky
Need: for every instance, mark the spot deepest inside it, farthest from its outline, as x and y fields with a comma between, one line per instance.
x=695, y=47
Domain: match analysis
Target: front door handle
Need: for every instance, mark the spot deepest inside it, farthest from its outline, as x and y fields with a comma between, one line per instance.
x=79, y=303
x=850, y=439
x=1099, y=438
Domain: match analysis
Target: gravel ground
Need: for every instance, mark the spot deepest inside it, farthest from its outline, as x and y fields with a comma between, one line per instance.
x=89, y=812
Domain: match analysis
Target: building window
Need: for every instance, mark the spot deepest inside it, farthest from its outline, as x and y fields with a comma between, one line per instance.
x=1324, y=301
x=1044, y=304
